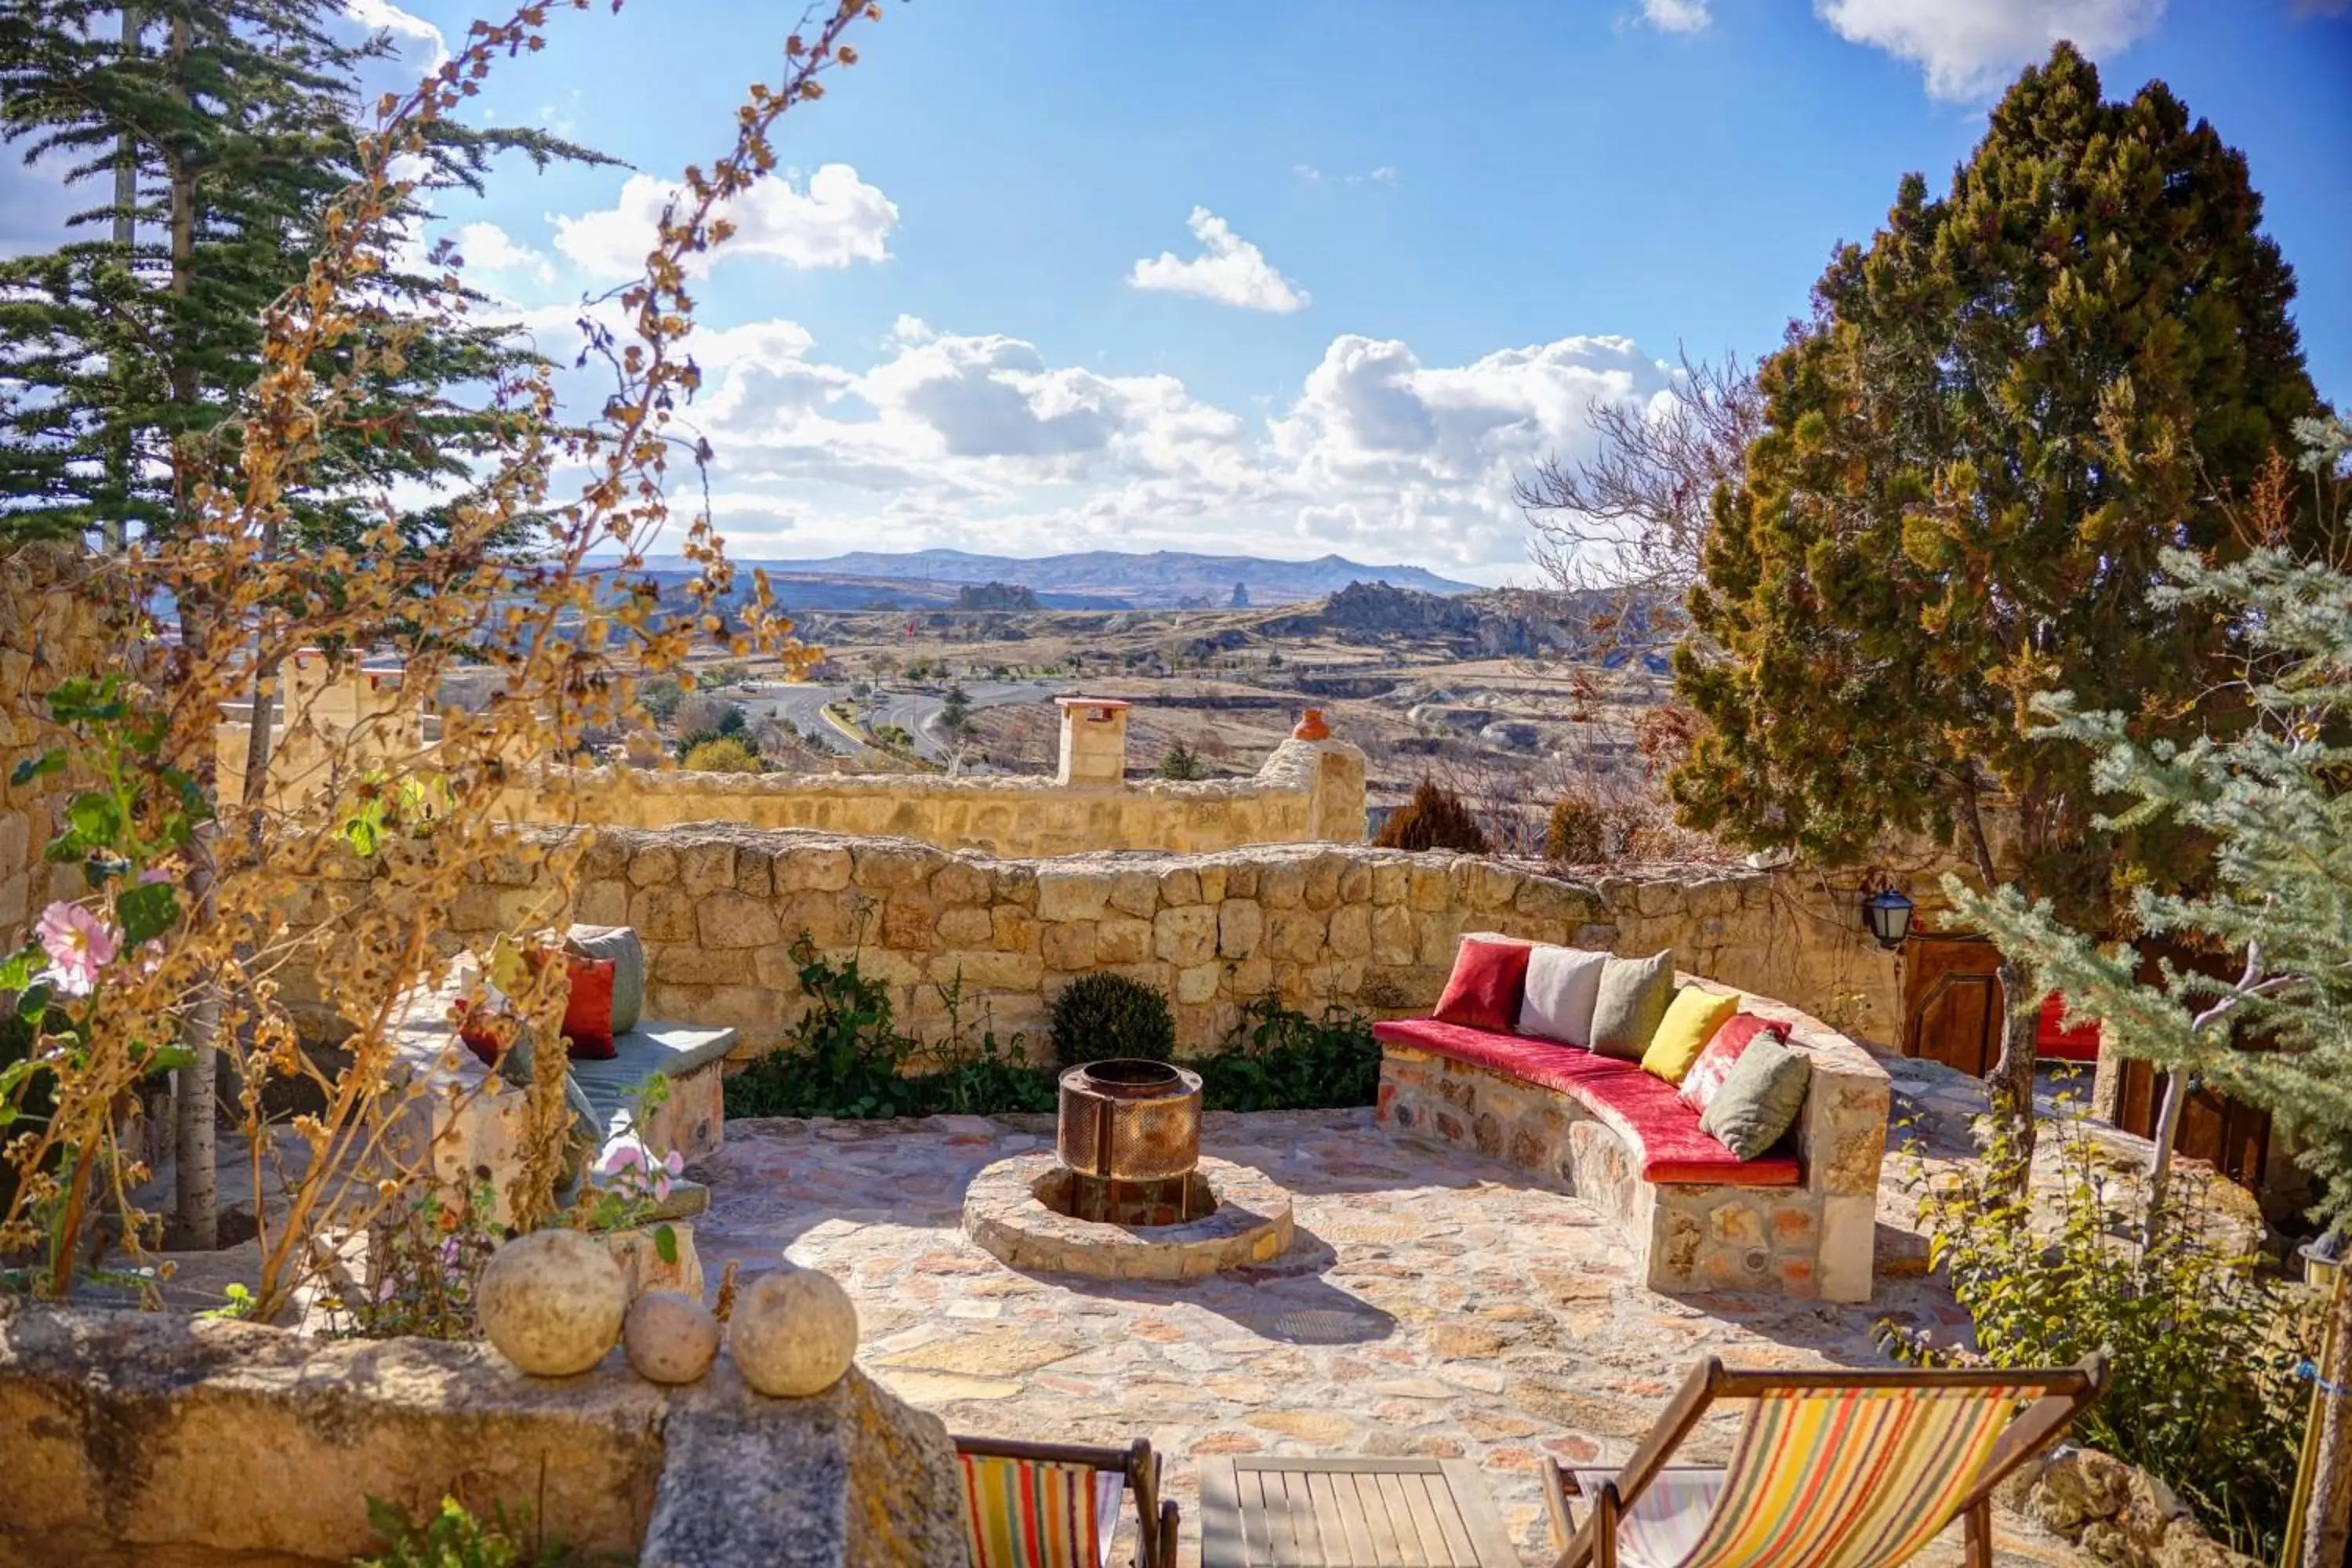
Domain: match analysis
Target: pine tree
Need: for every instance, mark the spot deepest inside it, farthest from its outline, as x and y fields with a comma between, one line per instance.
x=237, y=123
x=2000, y=412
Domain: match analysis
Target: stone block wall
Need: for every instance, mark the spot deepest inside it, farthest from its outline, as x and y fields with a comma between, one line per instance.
x=55, y=622
x=1307, y=792
x=719, y=908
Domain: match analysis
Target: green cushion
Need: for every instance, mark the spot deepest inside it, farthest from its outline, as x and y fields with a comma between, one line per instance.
x=1759, y=1099
x=1633, y=997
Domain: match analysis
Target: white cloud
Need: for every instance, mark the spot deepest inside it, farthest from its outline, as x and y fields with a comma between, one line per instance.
x=407, y=30
x=979, y=441
x=1677, y=15
x=487, y=247
x=1232, y=271
x=837, y=220
x=1383, y=175
x=1970, y=49
x=1308, y=173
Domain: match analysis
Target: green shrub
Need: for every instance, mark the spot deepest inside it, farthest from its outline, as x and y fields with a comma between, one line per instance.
x=843, y=1058
x=721, y=754
x=1277, y=1058
x=454, y=1538
x=1434, y=818
x=1098, y=1016
x=2202, y=1391
x=1180, y=762
x=846, y=1058
x=1578, y=833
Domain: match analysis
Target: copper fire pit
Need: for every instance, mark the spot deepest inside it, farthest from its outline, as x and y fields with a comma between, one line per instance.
x=1129, y=1132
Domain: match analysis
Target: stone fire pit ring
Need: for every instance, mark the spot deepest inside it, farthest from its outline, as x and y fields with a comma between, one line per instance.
x=1005, y=1210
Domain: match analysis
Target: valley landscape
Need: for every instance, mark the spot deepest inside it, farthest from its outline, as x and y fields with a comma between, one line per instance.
x=1511, y=698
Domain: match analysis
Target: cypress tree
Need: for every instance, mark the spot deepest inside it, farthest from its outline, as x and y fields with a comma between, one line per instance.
x=2000, y=412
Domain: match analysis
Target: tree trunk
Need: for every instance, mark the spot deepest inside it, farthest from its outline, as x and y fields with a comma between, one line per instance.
x=2008, y=1087
x=123, y=468
x=196, y=1193
x=2326, y=1522
x=196, y=1205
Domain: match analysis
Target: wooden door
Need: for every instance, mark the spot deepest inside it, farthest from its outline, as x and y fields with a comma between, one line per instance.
x=2234, y=1139
x=1951, y=1000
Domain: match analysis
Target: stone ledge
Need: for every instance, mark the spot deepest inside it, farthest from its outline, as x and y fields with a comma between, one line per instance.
x=129, y=1436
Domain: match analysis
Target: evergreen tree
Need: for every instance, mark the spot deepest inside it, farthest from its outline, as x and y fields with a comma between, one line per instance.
x=233, y=124
x=2001, y=410
x=2270, y=798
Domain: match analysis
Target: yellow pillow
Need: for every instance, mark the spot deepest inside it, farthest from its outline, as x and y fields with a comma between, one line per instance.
x=1690, y=1022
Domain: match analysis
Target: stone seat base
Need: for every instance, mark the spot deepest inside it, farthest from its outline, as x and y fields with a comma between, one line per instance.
x=692, y=1120
x=1801, y=1225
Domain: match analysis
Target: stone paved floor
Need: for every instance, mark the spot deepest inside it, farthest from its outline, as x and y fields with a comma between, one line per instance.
x=1433, y=1304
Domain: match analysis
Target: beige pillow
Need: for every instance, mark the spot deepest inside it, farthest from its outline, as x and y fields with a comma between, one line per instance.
x=1562, y=984
x=1633, y=998
x=1760, y=1098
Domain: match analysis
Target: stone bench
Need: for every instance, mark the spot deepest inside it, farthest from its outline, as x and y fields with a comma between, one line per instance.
x=471, y=1118
x=1801, y=1225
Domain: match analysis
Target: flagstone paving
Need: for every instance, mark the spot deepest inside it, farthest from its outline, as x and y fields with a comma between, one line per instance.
x=1431, y=1305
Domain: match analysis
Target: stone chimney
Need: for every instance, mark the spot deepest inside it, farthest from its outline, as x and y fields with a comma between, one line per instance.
x=1094, y=741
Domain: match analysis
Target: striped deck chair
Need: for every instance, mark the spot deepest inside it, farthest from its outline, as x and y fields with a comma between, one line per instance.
x=1834, y=1468
x=1056, y=1505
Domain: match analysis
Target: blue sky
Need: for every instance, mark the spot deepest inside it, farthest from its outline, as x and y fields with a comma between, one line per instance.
x=1433, y=235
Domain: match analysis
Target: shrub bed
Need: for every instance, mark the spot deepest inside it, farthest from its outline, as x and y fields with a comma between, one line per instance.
x=848, y=1058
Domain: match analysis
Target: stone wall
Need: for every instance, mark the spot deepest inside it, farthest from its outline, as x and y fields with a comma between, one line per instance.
x=1307, y=792
x=140, y=1437
x=54, y=623
x=719, y=906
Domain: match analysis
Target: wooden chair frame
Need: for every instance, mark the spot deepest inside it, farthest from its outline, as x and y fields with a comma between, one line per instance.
x=1155, y=1516
x=2062, y=1393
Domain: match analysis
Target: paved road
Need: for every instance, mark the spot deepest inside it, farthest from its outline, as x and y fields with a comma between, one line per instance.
x=916, y=713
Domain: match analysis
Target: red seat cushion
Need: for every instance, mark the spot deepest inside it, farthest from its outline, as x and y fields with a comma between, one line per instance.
x=1488, y=979
x=1644, y=1109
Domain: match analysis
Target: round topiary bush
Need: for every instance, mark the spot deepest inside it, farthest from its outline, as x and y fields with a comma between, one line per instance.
x=1099, y=1016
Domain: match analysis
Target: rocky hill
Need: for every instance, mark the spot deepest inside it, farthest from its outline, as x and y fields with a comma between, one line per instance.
x=1165, y=579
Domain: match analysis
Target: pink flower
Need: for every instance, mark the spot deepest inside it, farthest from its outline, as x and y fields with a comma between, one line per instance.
x=674, y=1162
x=78, y=945
x=155, y=874
x=623, y=1157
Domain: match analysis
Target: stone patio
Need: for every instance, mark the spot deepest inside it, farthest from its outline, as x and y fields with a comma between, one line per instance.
x=1431, y=1304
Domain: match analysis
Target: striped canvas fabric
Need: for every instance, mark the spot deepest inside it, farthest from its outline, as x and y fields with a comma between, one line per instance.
x=1026, y=1513
x=1849, y=1478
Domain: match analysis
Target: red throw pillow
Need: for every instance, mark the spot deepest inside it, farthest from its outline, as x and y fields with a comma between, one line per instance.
x=1714, y=1063
x=1484, y=991
x=588, y=1008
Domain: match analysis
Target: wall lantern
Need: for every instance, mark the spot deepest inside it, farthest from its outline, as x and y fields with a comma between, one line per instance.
x=1887, y=914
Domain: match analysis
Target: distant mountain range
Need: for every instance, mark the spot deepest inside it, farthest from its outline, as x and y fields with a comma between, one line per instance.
x=1165, y=579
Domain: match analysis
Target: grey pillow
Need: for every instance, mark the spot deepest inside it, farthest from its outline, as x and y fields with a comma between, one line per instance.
x=620, y=944
x=1633, y=996
x=1760, y=1098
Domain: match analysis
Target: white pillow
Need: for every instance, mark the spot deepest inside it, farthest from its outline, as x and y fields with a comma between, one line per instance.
x=1562, y=983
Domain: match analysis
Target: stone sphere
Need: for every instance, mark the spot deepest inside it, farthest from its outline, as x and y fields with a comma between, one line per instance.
x=670, y=1337
x=792, y=1332
x=551, y=1302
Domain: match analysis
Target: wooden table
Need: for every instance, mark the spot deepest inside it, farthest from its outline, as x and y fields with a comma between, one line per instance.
x=1259, y=1512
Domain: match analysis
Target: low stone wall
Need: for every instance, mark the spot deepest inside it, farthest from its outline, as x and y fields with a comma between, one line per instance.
x=136, y=1437
x=719, y=908
x=1307, y=792
x=1814, y=1239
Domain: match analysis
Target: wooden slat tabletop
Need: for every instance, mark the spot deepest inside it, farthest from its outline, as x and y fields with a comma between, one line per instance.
x=1259, y=1512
